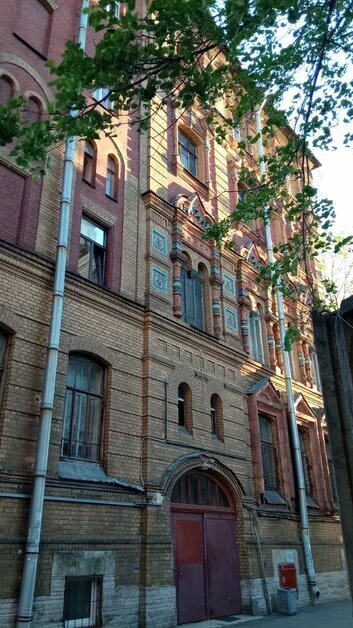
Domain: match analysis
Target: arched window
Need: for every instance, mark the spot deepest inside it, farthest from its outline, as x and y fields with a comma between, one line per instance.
x=83, y=408
x=216, y=416
x=89, y=163
x=6, y=89
x=111, y=183
x=255, y=335
x=185, y=407
x=268, y=454
x=188, y=153
x=198, y=489
x=192, y=289
x=33, y=110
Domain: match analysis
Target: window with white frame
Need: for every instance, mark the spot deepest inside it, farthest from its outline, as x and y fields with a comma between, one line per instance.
x=92, y=251
x=188, y=153
x=83, y=599
x=114, y=7
x=101, y=95
x=255, y=335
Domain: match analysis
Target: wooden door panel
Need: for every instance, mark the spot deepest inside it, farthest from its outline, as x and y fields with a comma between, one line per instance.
x=189, y=567
x=223, y=581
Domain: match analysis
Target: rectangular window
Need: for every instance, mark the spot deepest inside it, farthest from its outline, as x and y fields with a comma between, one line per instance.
x=255, y=334
x=187, y=152
x=192, y=298
x=82, y=606
x=268, y=455
x=92, y=251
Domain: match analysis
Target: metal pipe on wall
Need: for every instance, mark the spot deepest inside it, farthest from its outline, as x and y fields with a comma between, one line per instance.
x=25, y=607
x=298, y=465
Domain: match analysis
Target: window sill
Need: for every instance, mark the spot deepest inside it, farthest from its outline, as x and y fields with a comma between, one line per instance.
x=111, y=198
x=86, y=471
x=195, y=182
x=91, y=185
x=25, y=43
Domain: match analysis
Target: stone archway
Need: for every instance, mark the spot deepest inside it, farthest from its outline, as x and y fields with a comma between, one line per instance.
x=204, y=530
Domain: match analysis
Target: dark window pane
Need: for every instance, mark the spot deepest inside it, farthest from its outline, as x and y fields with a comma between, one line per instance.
x=223, y=499
x=181, y=412
x=3, y=340
x=6, y=89
x=97, y=273
x=184, y=490
x=93, y=428
x=83, y=372
x=212, y=492
x=67, y=423
x=269, y=466
x=205, y=497
x=198, y=298
x=78, y=600
x=175, y=496
x=84, y=257
x=194, y=488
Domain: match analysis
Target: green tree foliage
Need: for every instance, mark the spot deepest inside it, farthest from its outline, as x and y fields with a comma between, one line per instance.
x=297, y=51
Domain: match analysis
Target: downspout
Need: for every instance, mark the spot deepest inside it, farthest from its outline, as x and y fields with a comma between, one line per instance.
x=25, y=607
x=298, y=465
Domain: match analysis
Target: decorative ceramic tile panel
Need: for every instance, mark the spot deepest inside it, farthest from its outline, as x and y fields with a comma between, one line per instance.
x=159, y=241
x=159, y=280
x=231, y=319
x=229, y=284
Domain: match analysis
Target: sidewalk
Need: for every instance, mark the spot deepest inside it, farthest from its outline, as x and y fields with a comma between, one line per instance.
x=329, y=615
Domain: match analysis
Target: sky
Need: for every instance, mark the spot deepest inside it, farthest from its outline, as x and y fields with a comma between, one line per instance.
x=335, y=181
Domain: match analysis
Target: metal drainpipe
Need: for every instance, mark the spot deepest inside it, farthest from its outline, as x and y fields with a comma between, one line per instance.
x=25, y=607
x=298, y=465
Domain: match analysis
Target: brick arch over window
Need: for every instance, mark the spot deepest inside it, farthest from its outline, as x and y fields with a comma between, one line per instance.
x=8, y=57
x=15, y=86
x=85, y=344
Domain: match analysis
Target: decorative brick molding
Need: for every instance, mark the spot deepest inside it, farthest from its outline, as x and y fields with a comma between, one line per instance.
x=84, y=344
x=8, y=57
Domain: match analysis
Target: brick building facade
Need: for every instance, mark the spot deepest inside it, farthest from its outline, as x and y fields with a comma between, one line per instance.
x=170, y=410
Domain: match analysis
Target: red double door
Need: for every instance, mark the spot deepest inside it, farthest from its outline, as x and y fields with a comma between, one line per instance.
x=206, y=565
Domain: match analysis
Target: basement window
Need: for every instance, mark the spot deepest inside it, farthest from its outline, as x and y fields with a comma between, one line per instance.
x=82, y=606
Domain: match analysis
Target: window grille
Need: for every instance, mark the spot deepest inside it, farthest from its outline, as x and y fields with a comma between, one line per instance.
x=82, y=605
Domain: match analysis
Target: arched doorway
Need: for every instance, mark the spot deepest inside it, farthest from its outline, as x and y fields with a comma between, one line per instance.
x=205, y=548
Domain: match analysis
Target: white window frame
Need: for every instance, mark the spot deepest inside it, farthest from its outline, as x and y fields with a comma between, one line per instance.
x=256, y=337
x=116, y=8
x=92, y=619
x=100, y=94
x=315, y=373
